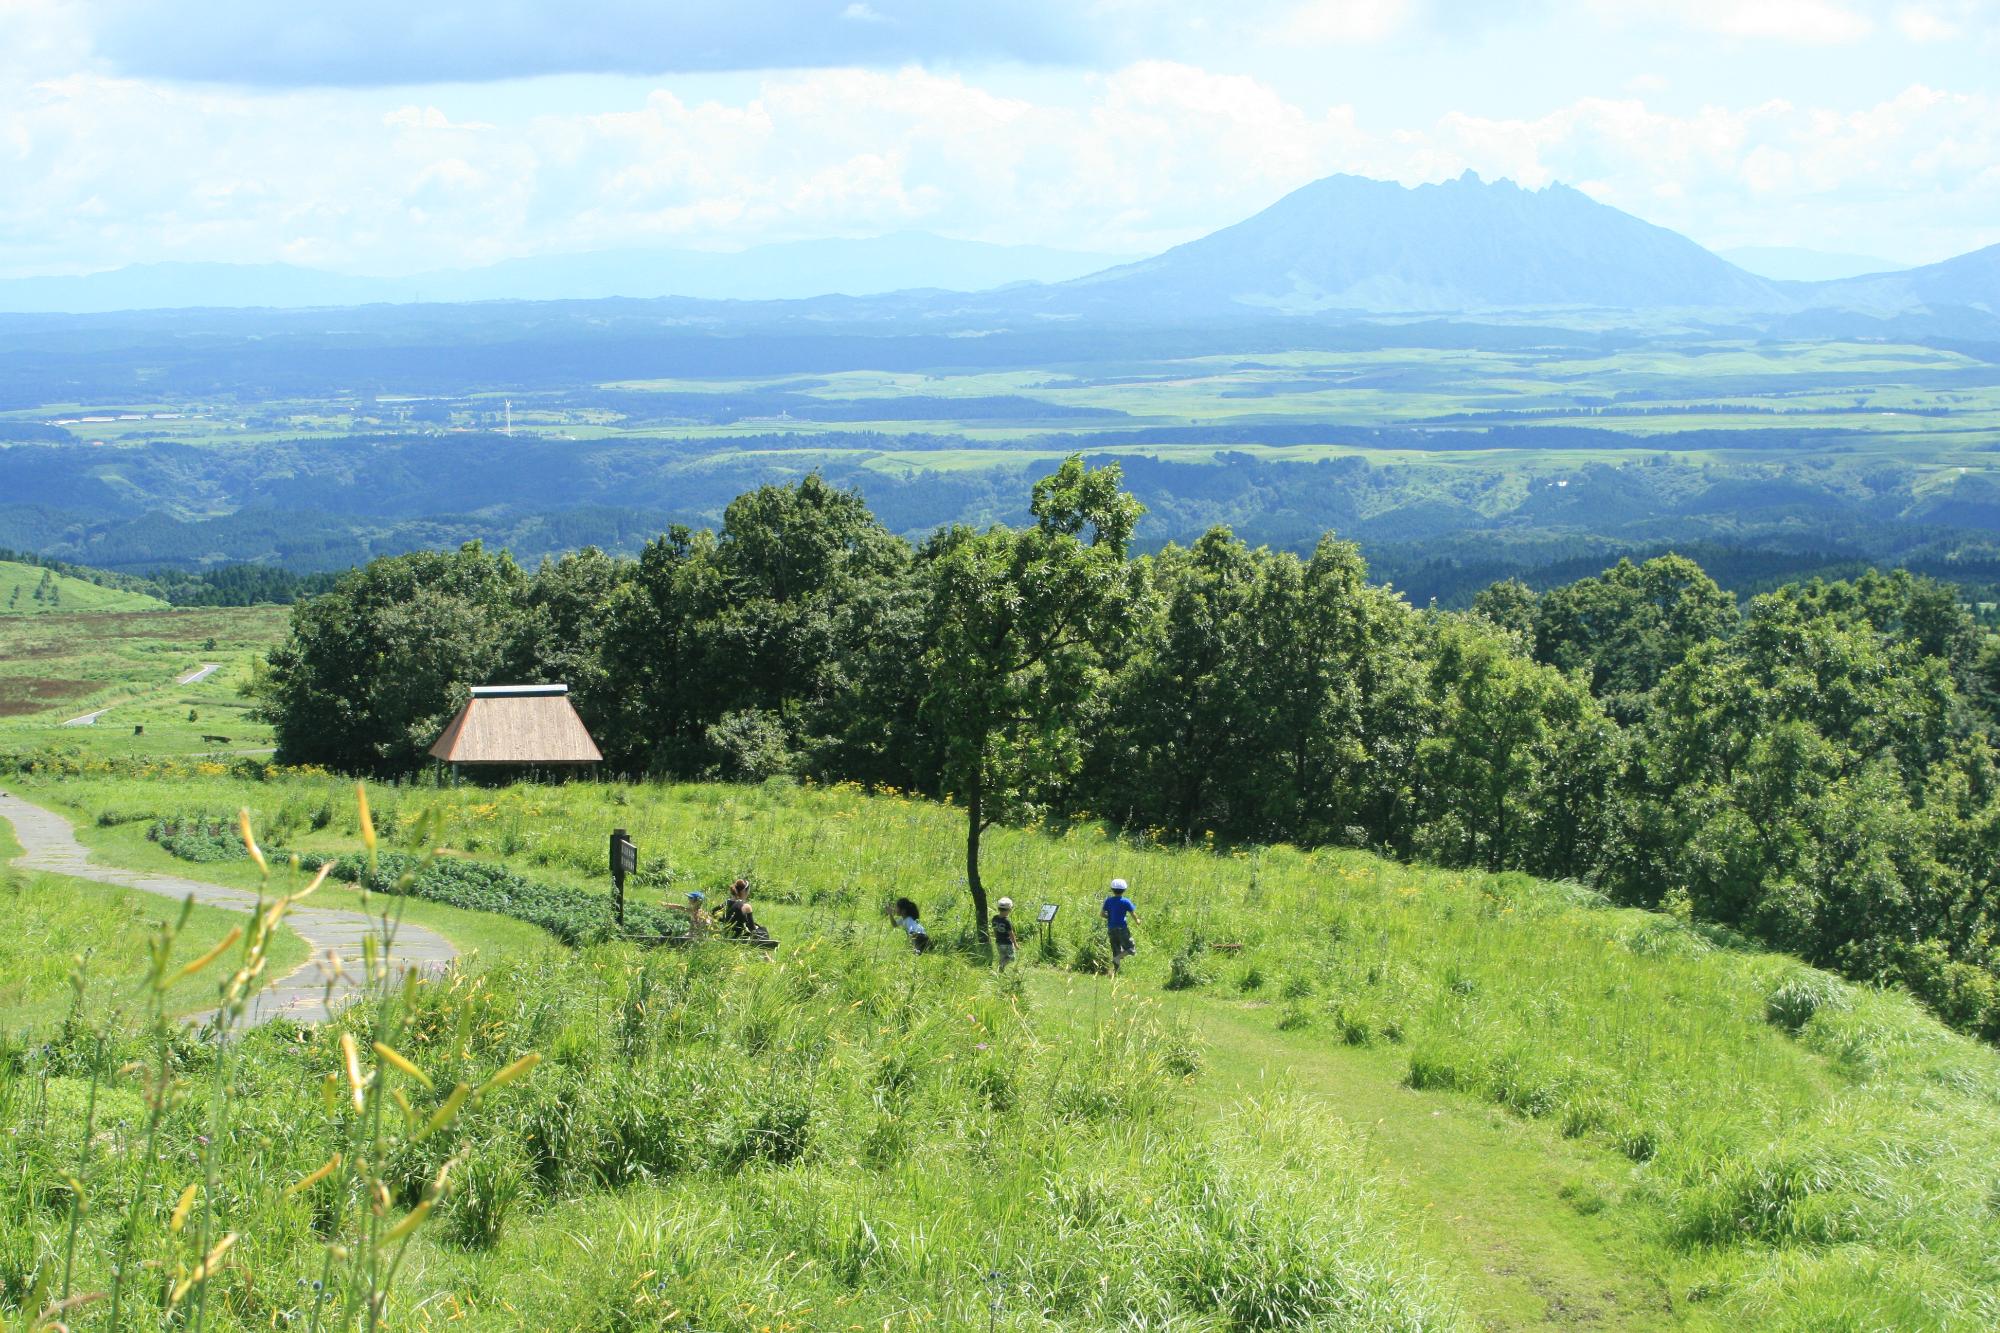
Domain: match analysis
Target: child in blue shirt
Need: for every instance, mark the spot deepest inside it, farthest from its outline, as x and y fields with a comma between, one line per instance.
x=1119, y=913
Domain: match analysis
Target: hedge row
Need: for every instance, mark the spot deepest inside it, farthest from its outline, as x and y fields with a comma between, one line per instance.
x=571, y=915
x=198, y=838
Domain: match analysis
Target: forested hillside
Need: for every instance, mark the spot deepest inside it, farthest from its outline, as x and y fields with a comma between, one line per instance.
x=1818, y=770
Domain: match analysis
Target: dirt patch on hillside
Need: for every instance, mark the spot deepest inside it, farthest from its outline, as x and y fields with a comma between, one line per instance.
x=33, y=694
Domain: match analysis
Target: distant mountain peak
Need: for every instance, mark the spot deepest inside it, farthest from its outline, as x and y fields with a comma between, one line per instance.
x=1352, y=244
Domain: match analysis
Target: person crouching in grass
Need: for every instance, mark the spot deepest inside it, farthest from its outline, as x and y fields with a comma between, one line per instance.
x=904, y=913
x=1003, y=931
x=697, y=915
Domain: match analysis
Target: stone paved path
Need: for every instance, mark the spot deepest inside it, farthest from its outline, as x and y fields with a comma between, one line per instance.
x=50, y=845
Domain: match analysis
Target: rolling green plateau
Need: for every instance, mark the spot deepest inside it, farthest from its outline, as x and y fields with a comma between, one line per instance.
x=1454, y=461
x=1615, y=949
x=1415, y=1038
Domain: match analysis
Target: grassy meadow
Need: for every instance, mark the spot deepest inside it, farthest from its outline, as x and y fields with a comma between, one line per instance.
x=57, y=668
x=29, y=590
x=1331, y=1091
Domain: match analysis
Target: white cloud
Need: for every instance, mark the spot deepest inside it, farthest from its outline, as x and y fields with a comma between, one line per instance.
x=1345, y=21
x=103, y=171
x=1921, y=24
x=430, y=118
x=1803, y=22
x=1814, y=21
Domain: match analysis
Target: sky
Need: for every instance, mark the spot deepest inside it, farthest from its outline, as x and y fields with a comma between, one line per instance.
x=396, y=136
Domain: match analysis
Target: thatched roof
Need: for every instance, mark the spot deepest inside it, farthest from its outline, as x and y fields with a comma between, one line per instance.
x=517, y=724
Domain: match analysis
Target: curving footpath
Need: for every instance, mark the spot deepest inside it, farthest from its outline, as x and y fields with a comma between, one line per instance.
x=49, y=845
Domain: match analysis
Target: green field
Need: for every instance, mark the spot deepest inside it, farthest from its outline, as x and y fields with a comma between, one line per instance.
x=1330, y=1092
x=1516, y=456
x=65, y=931
x=126, y=665
x=1916, y=395
x=28, y=590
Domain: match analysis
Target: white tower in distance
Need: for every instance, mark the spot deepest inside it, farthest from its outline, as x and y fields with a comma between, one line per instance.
x=508, y=429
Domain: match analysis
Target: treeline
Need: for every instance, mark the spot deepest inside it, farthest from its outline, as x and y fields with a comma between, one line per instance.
x=228, y=585
x=1817, y=770
x=239, y=585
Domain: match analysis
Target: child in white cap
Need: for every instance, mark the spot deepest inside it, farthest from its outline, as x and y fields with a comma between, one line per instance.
x=1119, y=913
x=1003, y=931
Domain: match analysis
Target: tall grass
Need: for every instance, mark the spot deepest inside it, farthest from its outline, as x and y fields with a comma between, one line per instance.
x=848, y=1135
x=192, y=1132
x=1822, y=1151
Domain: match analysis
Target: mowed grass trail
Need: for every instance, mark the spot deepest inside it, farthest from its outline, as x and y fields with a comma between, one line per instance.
x=1536, y=1230
x=1594, y=1117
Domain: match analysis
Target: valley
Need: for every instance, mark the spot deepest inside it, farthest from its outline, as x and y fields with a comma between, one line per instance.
x=1453, y=466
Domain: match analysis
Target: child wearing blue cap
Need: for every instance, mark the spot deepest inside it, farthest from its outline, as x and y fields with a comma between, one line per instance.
x=697, y=915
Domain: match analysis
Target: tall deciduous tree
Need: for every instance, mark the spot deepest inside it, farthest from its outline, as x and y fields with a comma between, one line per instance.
x=1022, y=625
x=792, y=557
x=1516, y=760
x=1180, y=727
x=374, y=669
x=1631, y=624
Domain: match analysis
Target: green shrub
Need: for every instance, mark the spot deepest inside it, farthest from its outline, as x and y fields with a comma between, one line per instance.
x=1436, y=1070
x=1799, y=995
x=571, y=915
x=1792, y=1194
x=1091, y=955
x=1185, y=971
x=1356, y=1024
x=199, y=838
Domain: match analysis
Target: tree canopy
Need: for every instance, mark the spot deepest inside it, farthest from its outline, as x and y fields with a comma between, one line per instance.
x=1816, y=769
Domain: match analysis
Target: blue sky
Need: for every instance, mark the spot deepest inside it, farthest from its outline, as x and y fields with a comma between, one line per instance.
x=383, y=137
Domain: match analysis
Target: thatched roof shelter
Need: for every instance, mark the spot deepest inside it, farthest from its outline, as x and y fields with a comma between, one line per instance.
x=524, y=725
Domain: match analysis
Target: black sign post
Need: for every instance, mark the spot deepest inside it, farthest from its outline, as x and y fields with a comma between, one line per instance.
x=624, y=861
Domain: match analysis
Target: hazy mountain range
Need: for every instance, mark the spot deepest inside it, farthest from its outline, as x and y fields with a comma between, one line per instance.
x=1349, y=246
x=1340, y=248
x=789, y=271
x=1793, y=263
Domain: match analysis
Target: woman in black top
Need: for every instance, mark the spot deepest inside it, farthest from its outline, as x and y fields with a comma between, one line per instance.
x=739, y=919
